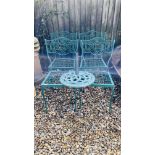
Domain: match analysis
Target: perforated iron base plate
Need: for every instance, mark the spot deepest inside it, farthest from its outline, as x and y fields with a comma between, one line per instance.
x=83, y=79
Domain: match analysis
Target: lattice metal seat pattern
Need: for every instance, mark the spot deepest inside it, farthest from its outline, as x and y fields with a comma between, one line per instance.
x=63, y=50
x=104, y=79
x=62, y=63
x=66, y=34
x=94, y=62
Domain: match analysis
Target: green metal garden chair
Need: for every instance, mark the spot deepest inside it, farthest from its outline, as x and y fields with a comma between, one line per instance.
x=61, y=53
x=96, y=53
x=66, y=34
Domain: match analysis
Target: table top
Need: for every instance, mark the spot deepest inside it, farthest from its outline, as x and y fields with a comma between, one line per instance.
x=102, y=79
x=72, y=80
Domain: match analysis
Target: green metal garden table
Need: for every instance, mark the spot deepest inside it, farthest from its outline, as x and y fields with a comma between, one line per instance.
x=99, y=79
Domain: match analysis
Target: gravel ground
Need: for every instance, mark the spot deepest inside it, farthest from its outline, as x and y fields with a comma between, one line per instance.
x=90, y=130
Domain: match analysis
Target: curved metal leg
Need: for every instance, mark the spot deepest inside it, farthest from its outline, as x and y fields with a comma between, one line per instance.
x=111, y=98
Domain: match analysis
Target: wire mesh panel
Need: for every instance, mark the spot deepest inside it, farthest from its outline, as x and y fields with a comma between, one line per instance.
x=66, y=34
x=61, y=53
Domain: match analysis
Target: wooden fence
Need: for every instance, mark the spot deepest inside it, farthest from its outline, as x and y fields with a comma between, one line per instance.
x=78, y=16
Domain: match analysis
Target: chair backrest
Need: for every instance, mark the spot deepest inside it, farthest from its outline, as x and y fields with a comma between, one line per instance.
x=93, y=46
x=61, y=46
x=91, y=34
x=66, y=34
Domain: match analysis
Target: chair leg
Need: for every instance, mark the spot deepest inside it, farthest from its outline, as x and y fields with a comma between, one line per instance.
x=111, y=99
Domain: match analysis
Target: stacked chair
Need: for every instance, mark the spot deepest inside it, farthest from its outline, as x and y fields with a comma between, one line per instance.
x=96, y=50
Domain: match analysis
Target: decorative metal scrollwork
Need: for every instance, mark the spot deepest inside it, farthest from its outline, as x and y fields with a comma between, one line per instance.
x=61, y=46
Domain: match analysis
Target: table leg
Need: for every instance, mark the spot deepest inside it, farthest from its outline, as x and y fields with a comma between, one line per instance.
x=71, y=103
x=44, y=100
x=74, y=99
x=76, y=94
x=80, y=97
x=111, y=99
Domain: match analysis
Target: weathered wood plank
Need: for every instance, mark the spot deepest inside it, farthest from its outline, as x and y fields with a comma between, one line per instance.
x=110, y=17
x=60, y=15
x=71, y=14
x=118, y=37
x=105, y=15
x=88, y=15
x=99, y=14
x=77, y=16
x=50, y=22
x=116, y=18
x=93, y=15
x=66, y=16
x=83, y=16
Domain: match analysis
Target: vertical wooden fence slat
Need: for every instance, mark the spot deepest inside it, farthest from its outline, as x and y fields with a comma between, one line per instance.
x=77, y=15
x=111, y=17
x=99, y=15
x=60, y=15
x=119, y=30
x=93, y=15
x=104, y=15
x=56, y=14
x=82, y=12
x=66, y=17
x=71, y=13
x=54, y=17
x=116, y=18
x=49, y=23
x=88, y=15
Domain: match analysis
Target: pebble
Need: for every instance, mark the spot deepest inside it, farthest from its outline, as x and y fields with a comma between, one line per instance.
x=89, y=131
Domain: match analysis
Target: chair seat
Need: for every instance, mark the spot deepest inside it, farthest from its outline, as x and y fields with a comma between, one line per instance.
x=62, y=63
x=93, y=63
